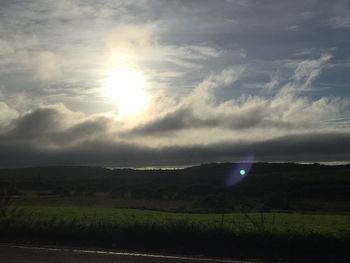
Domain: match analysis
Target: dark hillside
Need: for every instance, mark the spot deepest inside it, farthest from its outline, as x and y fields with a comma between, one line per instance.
x=285, y=186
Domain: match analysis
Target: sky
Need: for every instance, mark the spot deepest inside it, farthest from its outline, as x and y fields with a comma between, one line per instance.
x=140, y=83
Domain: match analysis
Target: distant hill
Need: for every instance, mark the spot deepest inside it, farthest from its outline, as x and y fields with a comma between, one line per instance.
x=286, y=186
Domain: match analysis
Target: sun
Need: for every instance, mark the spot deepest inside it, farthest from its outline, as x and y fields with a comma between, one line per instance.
x=126, y=88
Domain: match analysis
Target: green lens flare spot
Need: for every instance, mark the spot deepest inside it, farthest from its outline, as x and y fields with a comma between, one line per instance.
x=242, y=172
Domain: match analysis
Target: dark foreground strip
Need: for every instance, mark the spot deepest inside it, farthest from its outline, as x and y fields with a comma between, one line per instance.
x=184, y=258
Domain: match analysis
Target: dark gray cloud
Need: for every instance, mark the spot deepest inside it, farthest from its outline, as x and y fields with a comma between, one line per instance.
x=174, y=121
x=36, y=123
x=307, y=147
x=56, y=136
x=55, y=126
x=183, y=119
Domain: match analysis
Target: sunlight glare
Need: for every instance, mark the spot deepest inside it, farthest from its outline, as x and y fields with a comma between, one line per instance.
x=125, y=87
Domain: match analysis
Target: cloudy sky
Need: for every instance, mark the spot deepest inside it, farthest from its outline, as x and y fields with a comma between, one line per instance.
x=173, y=82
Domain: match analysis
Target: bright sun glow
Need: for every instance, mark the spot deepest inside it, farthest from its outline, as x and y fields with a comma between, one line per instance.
x=126, y=88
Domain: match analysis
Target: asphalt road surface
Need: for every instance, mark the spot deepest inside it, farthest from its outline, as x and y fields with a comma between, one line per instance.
x=29, y=254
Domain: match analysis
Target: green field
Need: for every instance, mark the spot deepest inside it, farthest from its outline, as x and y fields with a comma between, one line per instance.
x=237, y=235
x=281, y=222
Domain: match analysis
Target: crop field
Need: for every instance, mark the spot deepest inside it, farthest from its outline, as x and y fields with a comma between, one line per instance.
x=281, y=222
x=238, y=235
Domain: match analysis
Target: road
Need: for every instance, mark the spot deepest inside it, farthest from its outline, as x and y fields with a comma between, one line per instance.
x=31, y=254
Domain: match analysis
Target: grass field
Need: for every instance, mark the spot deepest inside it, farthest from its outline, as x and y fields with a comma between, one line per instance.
x=238, y=235
x=282, y=222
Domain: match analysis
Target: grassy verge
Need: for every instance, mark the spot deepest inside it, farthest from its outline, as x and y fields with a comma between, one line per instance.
x=252, y=235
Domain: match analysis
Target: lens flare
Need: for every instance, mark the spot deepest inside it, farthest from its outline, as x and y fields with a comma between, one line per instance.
x=239, y=171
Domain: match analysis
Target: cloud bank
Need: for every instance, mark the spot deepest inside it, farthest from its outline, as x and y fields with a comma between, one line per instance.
x=286, y=126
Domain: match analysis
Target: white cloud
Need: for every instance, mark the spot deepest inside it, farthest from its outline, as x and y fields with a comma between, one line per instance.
x=202, y=97
x=292, y=28
x=305, y=73
x=6, y=48
x=48, y=65
x=131, y=38
x=340, y=21
x=200, y=116
x=274, y=83
x=6, y=114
